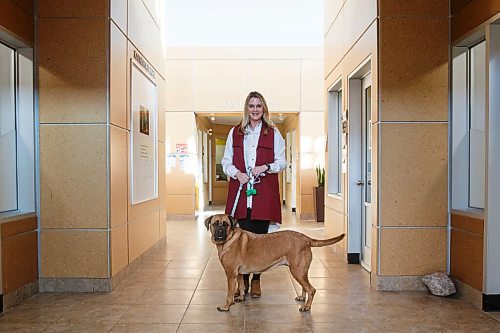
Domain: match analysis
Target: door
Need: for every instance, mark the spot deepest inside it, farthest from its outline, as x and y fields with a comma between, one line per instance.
x=366, y=171
x=293, y=147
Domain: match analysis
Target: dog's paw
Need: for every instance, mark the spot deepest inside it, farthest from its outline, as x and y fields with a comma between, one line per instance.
x=238, y=298
x=223, y=308
x=304, y=308
x=300, y=299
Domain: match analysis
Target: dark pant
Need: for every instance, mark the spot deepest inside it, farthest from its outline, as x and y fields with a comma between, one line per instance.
x=257, y=227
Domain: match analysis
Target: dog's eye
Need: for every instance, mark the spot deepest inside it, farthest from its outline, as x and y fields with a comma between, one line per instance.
x=225, y=224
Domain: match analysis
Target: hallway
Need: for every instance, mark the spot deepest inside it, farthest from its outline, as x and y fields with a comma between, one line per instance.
x=177, y=288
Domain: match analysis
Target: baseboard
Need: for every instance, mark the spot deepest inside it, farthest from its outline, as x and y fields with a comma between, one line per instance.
x=19, y=295
x=397, y=283
x=353, y=258
x=491, y=302
x=468, y=294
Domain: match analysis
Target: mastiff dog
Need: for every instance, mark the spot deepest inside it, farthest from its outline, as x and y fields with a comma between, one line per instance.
x=242, y=252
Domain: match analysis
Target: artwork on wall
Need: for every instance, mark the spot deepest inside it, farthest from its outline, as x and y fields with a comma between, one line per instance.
x=143, y=138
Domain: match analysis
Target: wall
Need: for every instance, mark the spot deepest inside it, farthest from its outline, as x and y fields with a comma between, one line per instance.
x=217, y=79
x=347, y=45
x=17, y=21
x=469, y=15
x=409, y=130
x=89, y=229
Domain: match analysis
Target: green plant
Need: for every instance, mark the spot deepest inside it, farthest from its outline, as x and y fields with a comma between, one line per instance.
x=320, y=176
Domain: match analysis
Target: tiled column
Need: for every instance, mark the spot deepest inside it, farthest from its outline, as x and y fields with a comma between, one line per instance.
x=73, y=132
x=411, y=229
x=89, y=230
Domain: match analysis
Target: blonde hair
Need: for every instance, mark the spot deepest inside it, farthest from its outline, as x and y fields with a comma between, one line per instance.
x=266, y=118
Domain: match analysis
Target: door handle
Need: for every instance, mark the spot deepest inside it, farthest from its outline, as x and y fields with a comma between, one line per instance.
x=360, y=182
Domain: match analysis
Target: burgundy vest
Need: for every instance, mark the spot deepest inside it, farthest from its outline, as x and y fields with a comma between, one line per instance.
x=266, y=203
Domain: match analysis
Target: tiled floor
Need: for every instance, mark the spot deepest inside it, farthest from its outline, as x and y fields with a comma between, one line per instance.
x=178, y=288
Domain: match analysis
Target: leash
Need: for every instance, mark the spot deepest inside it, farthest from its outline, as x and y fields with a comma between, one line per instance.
x=251, y=191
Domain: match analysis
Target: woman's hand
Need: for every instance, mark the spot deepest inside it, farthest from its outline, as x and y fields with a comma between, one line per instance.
x=256, y=171
x=242, y=177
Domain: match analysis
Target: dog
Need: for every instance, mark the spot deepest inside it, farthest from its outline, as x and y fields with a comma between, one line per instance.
x=242, y=252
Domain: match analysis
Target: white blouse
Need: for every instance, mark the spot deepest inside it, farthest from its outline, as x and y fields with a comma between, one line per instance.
x=250, y=141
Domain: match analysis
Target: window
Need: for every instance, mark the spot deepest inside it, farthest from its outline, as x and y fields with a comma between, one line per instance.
x=335, y=139
x=17, y=170
x=468, y=127
x=8, y=183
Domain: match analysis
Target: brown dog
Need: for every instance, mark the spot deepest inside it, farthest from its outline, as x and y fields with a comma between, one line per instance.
x=243, y=252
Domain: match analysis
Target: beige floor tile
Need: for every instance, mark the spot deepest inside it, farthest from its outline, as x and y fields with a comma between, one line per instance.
x=145, y=328
x=211, y=328
x=170, y=296
x=89, y=313
x=79, y=328
x=187, y=264
x=181, y=273
x=11, y=327
x=176, y=284
x=208, y=314
x=154, y=314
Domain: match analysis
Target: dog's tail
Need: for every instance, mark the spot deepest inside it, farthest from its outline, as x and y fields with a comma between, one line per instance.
x=325, y=242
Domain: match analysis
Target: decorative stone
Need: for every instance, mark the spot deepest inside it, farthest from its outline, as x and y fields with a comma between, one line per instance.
x=439, y=284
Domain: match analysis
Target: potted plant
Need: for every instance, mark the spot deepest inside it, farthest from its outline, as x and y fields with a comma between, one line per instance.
x=319, y=195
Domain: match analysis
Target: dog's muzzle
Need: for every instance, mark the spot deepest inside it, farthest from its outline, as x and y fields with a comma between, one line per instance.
x=220, y=234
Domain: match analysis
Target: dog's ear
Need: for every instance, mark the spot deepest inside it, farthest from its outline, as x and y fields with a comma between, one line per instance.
x=232, y=220
x=207, y=221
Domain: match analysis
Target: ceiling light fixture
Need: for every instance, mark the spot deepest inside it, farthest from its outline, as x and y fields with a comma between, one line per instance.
x=281, y=117
x=212, y=117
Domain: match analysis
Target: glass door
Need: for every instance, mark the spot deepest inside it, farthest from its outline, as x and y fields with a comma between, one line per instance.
x=366, y=182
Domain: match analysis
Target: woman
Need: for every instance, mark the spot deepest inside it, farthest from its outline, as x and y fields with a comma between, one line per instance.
x=254, y=149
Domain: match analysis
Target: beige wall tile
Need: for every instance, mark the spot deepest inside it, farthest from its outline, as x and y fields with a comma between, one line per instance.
x=19, y=262
x=219, y=85
x=118, y=78
x=143, y=233
x=119, y=248
x=311, y=85
x=141, y=209
x=73, y=8
x=311, y=53
x=413, y=174
x=425, y=247
x=118, y=175
x=467, y=17
x=179, y=53
x=359, y=15
x=274, y=52
x=418, y=8
x=73, y=175
x=332, y=9
x=413, y=69
x=374, y=250
x=180, y=183
x=467, y=257
x=119, y=13
x=73, y=254
x=334, y=223
x=180, y=204
x=163, y=223
x=307, y=181
x=278, y=81
x=218, y=52
x=306, y=204
x=18, y=20
x=145, y=34
x=180, y=96
x=72, y=70
x=335, y=44
x=162, y=190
